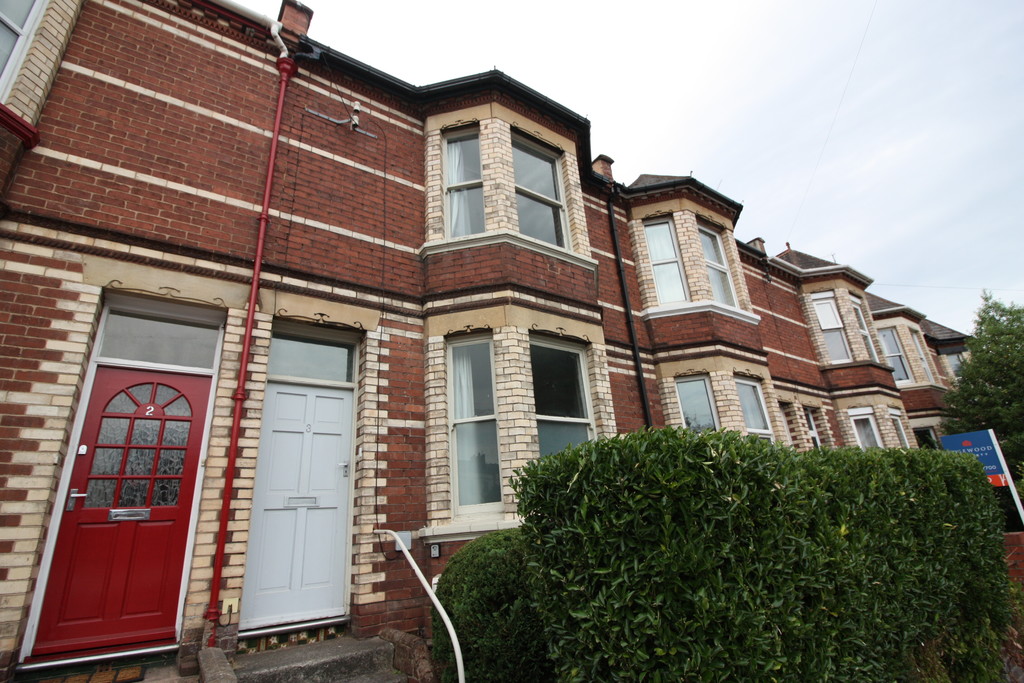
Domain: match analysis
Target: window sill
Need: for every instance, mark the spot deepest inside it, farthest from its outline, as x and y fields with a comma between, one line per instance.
x=688, y=307
x=466, y=529
x=506, y=236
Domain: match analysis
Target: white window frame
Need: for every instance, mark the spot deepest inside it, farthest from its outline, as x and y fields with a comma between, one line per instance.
x=922, y=356
x=675, y=260
x=886, y=334
x=759, y=395
x=812, y=427
x=24, y=34
x=706, y=381
x=562, y=238
x=719, y=267
x=867, y=415
x=827, y=301
x=584, y=380
x=452, y=189
x=897, y=422
x=477, y=508
x=862, y=326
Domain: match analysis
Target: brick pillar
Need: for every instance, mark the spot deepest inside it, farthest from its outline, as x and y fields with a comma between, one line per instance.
x=1014, y=543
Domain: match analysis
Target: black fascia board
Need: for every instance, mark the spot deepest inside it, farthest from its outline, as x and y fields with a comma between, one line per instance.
x=444, y=89
x=686, y=181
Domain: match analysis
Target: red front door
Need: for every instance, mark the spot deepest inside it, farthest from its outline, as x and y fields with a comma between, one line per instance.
x=116, y=571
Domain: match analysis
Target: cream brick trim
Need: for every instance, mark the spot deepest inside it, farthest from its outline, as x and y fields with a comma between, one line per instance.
x=31, y=86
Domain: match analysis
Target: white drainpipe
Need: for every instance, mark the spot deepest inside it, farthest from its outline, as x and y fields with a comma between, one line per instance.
x=272, y=25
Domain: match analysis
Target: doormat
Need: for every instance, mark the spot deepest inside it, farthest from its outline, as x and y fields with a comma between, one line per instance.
x=126, y=674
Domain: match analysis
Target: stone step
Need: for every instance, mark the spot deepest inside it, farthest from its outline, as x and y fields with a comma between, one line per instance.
x=339, y=660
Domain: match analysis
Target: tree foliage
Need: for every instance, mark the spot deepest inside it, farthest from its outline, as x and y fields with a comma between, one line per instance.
x=990, y=392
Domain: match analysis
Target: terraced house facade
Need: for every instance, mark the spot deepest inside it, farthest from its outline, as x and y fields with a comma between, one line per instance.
x=261, y=300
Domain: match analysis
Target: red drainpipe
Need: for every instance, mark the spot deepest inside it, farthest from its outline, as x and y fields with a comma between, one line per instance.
x=287, y=68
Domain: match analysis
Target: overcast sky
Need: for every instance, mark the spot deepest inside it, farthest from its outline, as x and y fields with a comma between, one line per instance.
x=886, y=134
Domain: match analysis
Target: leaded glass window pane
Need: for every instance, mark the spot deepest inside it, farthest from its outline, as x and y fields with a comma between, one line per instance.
x=172, y=461
x=100, y=493
x=165, y=492
x=145, y=432
x=121, y=403
x=179, y=408
x=133, y=493
x=176, y=433
x=113, y=430
x=140, y=461
x=107, y=461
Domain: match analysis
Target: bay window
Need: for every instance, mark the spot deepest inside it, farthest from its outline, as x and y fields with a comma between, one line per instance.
x=474, y=426
x=812, y=427
x=862, y=327
x=894, y=354
x=864, y=428
x=897, y=424
x=755, y=417
x=17, y=20
x=831, y=327
x=698, y=406
x=664, y=254
x=538, y=193
x=717, y=267
x=464, y=185
x=560, y=395
x=922, y=356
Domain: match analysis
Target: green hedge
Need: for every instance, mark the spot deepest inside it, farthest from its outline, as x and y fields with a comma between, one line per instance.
x=668, y=555
x=484, y=590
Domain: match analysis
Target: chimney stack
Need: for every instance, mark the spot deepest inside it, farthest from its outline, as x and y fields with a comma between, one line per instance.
x=603, y=166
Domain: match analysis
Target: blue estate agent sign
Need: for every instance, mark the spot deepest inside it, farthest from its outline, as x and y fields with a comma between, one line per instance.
x=982, y=445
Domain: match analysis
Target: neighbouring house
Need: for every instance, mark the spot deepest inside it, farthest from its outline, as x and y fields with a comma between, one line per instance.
x=448, y=284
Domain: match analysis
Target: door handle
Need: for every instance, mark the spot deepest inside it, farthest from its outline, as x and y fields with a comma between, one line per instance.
x=71, y=500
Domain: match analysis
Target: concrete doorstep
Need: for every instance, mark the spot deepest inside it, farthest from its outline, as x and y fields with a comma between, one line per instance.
x=340, y=660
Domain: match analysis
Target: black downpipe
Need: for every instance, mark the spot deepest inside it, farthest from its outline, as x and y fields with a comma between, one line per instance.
x=645, y=402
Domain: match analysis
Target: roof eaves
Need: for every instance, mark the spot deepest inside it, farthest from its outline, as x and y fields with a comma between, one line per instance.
x=685, y=181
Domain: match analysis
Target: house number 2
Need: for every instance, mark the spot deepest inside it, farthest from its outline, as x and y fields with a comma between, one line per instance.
x=149, y=410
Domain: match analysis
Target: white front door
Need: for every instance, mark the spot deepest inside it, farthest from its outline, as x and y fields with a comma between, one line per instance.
x=299, y=534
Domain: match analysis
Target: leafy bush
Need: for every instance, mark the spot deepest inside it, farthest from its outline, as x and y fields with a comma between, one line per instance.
x=668, y=555
x=484, y=590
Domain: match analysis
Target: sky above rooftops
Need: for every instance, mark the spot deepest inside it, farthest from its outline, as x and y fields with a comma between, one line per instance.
x=888, y=136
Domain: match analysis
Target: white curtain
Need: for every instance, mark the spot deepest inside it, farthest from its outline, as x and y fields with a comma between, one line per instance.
x=457, y=199
x=462, y=382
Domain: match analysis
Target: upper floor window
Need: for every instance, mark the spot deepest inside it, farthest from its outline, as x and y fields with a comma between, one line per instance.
x=956, y=360
x=755, y=417
x=473, y=424
x=664, y=253
x=538, y=193
x=695, y=399
x=560, y=395
x=16, y=20
x=862, y=327
x=864, y=428
x=831, y=327
x=894, y=354
x=922, y=356
x=718, y=268
x=464, y=185
x=926, y=437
